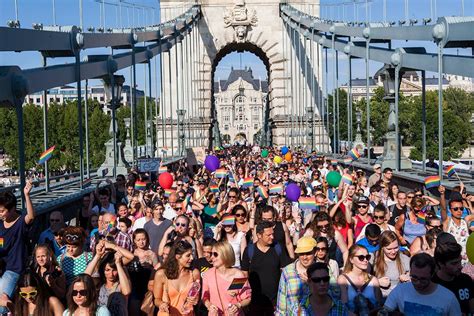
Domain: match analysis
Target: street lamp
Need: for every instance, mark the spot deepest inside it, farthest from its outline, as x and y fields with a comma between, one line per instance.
x=181, y=113
x=113, y=90
x=309, y=133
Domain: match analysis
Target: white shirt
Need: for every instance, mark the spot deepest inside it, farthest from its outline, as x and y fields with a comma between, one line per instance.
x=139, y=223
x=408, y=301
x=169, y=212
x=109, y=209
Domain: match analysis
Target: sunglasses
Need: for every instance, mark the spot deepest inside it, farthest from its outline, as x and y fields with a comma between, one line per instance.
x=410, y=196
x=456, y=209
x=181, y=225
x=322, y=249
x=52, y=220
x=323, y=226
x=31, y=294
x=214, y=254
x=81, y=292
x=379, y=217
x=362, y=206
x=232, y=196
x=239, y=214
x=362, y=257
x=319, y=280
x=71, y=238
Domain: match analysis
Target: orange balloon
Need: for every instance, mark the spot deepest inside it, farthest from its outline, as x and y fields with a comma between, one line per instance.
x=288, y=157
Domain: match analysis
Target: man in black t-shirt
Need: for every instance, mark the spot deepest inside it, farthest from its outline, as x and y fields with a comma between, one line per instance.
x=205, y=263
x=398, y=209
x=263, y=262
x=449, y=275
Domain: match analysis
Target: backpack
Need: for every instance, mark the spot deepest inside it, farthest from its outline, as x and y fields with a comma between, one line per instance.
x=251, y=250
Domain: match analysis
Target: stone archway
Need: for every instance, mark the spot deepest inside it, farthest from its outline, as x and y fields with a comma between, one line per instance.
x=256, y=26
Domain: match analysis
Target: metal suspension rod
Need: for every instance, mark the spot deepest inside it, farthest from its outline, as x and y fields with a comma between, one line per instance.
x=397, y=129
x=133, y=111
x=367, y=96
x=285, y=75
x=334, y=63
x=349, y=110
x=145, y=110
x=150, y=131
x=54, y=12
x=304, y=88
x=423, y=119
x=162, y=103
x=292, y=59
x=79, y=118
x=45, y=130
x=113, y=103
x=86, y=123
x=338, y=121
x=440, y=110
x=326, y=98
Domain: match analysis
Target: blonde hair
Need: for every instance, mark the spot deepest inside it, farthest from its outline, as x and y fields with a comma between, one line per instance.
x=352, y=251
x=226, y=252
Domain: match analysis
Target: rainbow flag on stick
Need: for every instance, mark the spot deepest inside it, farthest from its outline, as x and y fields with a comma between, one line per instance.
x=237, y=284
x=168, y=192
x=354, y=153
x=228, y=220
x=214, y=188
x=2, y=244
x=248, y=182
x=46, y=155
x=450, y=171
x=140, y=185
x=432, y=182
x=421, y=217
x=334, y=162
x=276, y=188
x=162, y=169
x=262, y=192
x=221, y=173
x=347, y=179
x=347, y=161
x=307, y=203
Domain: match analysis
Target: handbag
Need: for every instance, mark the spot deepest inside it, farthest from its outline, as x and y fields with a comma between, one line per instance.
x=148, y=305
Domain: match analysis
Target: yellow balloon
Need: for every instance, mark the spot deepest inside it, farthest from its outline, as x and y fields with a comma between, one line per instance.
x=277, y=159
x=288, y=157
x=470, y=248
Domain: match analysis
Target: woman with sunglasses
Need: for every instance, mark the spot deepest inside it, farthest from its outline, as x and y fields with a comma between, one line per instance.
x=75, y=260
x=227, y=231
x=180, y=231
x=409, y=225
x=176, y=285
x=33, y=298
x=391, y=266
x=46, y=266
x=421, y=244
x=359, y=290
x=217, y=296
x=82, y=298
x=241, y=220
x=322, y=255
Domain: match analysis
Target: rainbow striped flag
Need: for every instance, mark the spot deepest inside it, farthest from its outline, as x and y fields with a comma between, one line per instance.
x=347, y=179
x=140, y=185
x=46, y=155
x=221, y=173
x=354, y=153
x=334, y=162
x=432, y=182
x=291, y=170
x=248, y=182
x=162, y=169
x=276, y=188
x=347, y=161
x=421, y=217
x=168, y=192
x=307, y=203
x=1, y=242
x=262, y=192
x=214, y=188
x=237, y=284
x=228, y=220
x=450, y=171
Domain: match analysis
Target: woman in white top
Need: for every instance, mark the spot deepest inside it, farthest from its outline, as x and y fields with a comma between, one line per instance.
x=322, y=255
x=227, y=231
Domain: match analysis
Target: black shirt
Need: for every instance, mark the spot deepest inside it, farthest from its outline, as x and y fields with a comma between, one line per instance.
x=462, y=286
x=395, y=213
x=264, y=271
x=202, y=265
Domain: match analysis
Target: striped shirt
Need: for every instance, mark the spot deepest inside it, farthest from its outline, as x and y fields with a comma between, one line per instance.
x=292, y=291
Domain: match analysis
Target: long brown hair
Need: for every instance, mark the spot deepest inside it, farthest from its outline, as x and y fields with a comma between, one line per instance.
x=32, y=279
x=171, y=265
x=385, y=239
x=321, y=217
x=91, y=294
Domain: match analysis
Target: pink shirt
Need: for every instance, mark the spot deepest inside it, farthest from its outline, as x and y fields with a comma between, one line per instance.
x=215, y=289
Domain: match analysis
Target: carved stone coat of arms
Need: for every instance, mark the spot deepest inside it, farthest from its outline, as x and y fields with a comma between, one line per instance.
x=240, y=19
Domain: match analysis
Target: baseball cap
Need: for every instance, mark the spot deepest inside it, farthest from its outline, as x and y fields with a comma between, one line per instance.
x=363, y=200
x=305, y=244
x=377, y=166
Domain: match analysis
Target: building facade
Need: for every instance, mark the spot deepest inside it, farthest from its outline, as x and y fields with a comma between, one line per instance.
x=240, y=103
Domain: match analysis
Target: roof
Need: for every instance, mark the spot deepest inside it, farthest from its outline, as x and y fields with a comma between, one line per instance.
x=246, y=75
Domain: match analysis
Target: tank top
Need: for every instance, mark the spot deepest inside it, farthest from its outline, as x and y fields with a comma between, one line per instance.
x=360, y=224
x=352, y=292
x=236, y=246
x=411, y=231
x=344, y=230
x=178, y=298
x=460, y=233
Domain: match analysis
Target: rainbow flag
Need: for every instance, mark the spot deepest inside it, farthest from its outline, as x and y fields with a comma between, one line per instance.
x=421, y=217
x=46, y=155
x=214, y=188
x=334, y=162
x=248, y=182
x=450, y=171
x=276, y=188
x=432, y=182
x=140, y=185
x=354, y=154
x=168, y=192
x=237, y=284
x=1, y=242
x=291, y=170
x=162, y=169
x=262, y=192
x=228, y=220
x=221, y=173
x=347, y=160
x=347, y=179
x=307, y=203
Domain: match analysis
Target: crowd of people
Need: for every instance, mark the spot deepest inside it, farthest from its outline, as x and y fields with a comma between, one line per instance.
x=233, y=242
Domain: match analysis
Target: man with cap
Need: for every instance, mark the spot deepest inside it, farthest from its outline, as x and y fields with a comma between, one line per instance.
x=376, y=176
x=293, y=288
x=362, y=216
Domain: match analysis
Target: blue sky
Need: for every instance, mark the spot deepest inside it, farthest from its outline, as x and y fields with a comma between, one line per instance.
x=67, y=13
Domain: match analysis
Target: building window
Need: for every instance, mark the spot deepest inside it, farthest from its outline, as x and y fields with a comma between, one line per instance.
x=38, y=100
x=255, y=126
x=226, y=127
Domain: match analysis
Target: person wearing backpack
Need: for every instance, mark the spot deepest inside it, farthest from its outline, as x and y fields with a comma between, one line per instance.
x=262, y=262
x=360, y=291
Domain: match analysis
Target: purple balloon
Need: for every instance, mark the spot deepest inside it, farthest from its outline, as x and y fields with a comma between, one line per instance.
x=293, y=192
x=212, y=163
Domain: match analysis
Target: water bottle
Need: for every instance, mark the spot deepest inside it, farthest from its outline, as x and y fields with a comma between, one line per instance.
x=193, y=292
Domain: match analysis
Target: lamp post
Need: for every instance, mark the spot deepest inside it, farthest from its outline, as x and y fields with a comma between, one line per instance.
x=358, y=143
x=309, y=132
x=113, y=90
x=181, y=136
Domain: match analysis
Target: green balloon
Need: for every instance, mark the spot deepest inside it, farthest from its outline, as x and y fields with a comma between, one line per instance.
x=333, y=178
x=265, y=153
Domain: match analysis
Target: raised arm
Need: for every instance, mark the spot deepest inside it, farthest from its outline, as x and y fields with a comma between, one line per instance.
x=442, y=192
x=30, y=210
x=125, y=285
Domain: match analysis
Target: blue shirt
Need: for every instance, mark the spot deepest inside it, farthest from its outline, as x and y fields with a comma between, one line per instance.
x=370, y=248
